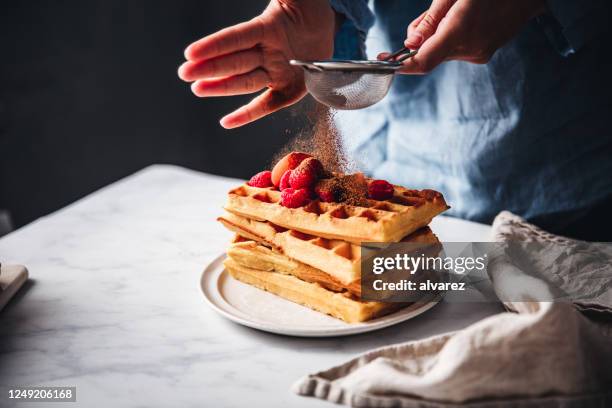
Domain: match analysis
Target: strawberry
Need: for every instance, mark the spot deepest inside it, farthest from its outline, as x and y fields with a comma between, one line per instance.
x=261, y=179
x=294, y=198
x=289, y=162
x=306, y=174
x=284, y=181
x=380, y=190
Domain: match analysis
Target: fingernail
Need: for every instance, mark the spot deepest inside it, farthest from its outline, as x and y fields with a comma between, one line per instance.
x=225, y=122
x=194, y=88
x=187, y=53
x=415, y=39
x=181, y=72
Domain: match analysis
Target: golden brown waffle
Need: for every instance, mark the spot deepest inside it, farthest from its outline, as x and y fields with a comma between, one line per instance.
x=254, y=255
x=376, y=221
x=339, y=259
x=340, y=305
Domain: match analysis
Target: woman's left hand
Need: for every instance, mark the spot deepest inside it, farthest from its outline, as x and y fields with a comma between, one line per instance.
x=465, y=30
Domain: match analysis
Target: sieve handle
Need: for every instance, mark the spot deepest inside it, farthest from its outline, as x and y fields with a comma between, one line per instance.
x=305, y=64
x=393, y=56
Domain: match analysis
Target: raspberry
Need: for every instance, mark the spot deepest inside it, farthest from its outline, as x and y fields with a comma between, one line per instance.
x=326, y=190
x=284, y=181
x=261, y=179
x=294, y=198
x=327, y=196
x=380, y=190
x=306, y=174
x=295, y=158
x=289, y=162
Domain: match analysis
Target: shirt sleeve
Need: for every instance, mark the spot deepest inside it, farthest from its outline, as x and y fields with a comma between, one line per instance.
x=350, y=38
x=577, y=23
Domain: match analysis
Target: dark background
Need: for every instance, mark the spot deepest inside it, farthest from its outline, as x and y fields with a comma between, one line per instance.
x=89, y=94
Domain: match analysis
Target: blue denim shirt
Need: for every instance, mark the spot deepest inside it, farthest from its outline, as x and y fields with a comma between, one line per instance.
x=528, y=132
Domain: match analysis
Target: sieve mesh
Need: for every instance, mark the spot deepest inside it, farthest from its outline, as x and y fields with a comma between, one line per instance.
x=348, y=89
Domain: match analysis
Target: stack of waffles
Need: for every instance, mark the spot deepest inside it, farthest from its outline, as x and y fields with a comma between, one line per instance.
x=310, y=254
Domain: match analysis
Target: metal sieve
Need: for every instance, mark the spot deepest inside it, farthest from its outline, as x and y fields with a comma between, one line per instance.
x=349, y=84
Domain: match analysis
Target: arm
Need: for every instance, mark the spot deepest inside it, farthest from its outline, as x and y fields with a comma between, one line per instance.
x=356, y=19
x=356, y=11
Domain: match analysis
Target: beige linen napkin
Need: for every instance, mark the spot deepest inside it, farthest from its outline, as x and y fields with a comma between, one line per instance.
x=546, y=355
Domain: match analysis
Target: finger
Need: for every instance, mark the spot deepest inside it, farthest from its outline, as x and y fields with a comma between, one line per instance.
x=231, y=39
x=428, y=23
x=411, y=29
x=226, y=65
x=236, y=85
x=432, y=53
x=268, y=102
x=383, y=55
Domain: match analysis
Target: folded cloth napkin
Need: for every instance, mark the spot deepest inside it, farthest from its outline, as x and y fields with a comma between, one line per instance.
x=533, y=265
x=548, y=354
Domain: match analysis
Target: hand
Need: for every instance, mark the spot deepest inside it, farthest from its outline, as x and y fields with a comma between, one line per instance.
x=465, y=30
x=254, y=55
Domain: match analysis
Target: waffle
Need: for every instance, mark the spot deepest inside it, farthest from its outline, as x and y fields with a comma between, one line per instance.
x=339, y=259
x=376, y=221
x=254, y=255
x=340, y=305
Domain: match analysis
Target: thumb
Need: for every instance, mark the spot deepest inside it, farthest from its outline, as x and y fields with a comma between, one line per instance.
x=426, y=24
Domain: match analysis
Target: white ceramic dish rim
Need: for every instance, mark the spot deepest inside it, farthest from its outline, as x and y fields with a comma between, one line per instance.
x=209, y=285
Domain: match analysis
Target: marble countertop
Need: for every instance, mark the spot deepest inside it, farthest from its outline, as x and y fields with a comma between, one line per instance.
x=114, y=307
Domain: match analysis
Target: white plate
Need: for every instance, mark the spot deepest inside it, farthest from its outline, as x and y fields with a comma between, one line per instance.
x=252, y=307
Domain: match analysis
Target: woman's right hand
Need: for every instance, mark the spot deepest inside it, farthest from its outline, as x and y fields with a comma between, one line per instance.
x=254, y=55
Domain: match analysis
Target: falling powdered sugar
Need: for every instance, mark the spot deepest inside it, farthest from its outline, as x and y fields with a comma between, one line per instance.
x=322, y=140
